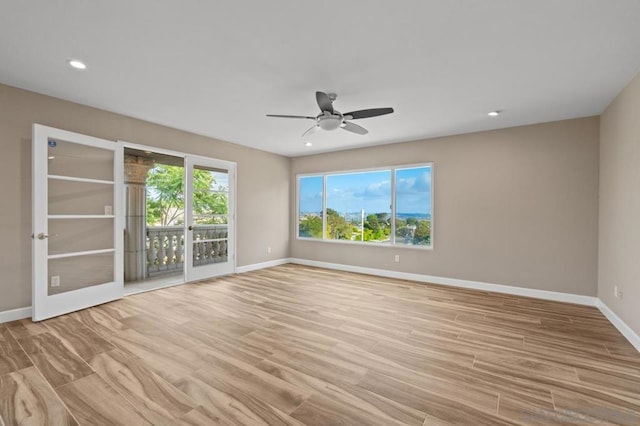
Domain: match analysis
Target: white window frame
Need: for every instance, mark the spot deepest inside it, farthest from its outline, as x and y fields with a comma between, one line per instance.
x=392, y=170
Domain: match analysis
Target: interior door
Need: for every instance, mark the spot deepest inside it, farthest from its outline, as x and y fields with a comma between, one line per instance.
x=77, y=221
x=210, y=218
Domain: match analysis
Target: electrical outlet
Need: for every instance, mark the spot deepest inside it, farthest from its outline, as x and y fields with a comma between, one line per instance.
x=268, y=250
x=55, y=281
x=108, y=210
x=397, y=258
x=617, y=292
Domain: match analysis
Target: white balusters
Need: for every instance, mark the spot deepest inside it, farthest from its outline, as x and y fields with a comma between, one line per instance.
x=152, y=252
x=165, y=247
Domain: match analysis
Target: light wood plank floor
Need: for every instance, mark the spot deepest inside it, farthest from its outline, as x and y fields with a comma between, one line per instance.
x=297, y=345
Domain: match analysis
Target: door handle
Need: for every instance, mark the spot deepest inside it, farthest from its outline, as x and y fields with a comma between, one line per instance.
x=42, y=236
x=190, y=228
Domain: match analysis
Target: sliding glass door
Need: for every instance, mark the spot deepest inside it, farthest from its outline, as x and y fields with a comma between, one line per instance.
x=210, y=218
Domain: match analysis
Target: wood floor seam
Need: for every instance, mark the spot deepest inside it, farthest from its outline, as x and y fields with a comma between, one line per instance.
x=58, y=396
x=48, y=384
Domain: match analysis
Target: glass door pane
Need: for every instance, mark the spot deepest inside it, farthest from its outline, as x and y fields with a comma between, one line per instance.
x=79, y=272
x=210, y=220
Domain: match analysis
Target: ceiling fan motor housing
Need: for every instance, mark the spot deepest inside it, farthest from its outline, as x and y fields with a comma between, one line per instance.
x=329, y=122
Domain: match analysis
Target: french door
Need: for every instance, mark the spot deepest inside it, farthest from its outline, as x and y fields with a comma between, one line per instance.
x=77, y=221
x=210, y=218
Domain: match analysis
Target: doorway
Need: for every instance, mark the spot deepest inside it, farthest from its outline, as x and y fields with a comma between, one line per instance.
x=179, y=221
x=154, y=220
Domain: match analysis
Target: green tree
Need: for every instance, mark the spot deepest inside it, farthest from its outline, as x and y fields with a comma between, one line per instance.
x=165, y=196
x=377, y=227
x=372, y=223
x=383, y=217
x=337, y=226
x=422, y=233
x=310, y=226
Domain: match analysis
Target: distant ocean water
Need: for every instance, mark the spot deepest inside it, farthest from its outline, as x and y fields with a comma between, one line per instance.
x=398, y=215
x=413, y=215
x=351, y=215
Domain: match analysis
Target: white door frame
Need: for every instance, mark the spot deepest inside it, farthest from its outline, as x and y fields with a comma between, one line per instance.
x=232, y=195
x=44, y=305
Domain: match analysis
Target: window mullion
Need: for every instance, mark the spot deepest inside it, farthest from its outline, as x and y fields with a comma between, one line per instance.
x=297, y=206
x=393, y=206
x=324, y=206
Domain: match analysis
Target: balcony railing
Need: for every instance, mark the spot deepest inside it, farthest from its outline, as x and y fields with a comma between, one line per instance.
x=165, y=247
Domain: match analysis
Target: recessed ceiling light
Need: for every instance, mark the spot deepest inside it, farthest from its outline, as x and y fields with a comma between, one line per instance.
x=494, y=113
x=308, y=144
x=77, y=64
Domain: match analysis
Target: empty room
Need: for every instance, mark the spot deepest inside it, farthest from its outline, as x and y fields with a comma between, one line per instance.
x=382, y=213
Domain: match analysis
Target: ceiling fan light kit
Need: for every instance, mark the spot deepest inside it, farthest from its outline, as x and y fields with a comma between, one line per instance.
x=331, y=119
x=329, y=122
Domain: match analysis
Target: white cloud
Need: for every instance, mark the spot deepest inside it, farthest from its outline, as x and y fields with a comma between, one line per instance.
x=421, y=183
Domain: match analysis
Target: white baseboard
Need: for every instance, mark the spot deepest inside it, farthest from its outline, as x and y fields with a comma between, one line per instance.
x=454, y=282
x=15, y=314
x=262, y=265
x=622, y=327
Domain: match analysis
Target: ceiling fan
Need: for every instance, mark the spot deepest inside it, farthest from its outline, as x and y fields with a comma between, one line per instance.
x=331, y=119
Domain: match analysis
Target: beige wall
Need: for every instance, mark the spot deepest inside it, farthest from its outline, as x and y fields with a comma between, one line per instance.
x=619, y=247
x=516, y=206
x=263, y=181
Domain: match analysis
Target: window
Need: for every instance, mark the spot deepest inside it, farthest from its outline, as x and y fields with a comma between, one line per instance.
x=413, y=206
x=387, y=206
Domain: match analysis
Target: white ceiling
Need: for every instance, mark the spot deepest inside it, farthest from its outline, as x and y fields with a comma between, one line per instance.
x=217, y=67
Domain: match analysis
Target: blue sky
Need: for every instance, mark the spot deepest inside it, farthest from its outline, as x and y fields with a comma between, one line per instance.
x=222, y=180
x=369, y=191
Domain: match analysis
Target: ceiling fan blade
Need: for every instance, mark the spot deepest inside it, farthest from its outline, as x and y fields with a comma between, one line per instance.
x=324, y=102
x=290, y=116
x=311, y=130
x=366, y=113
x=350, y=127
